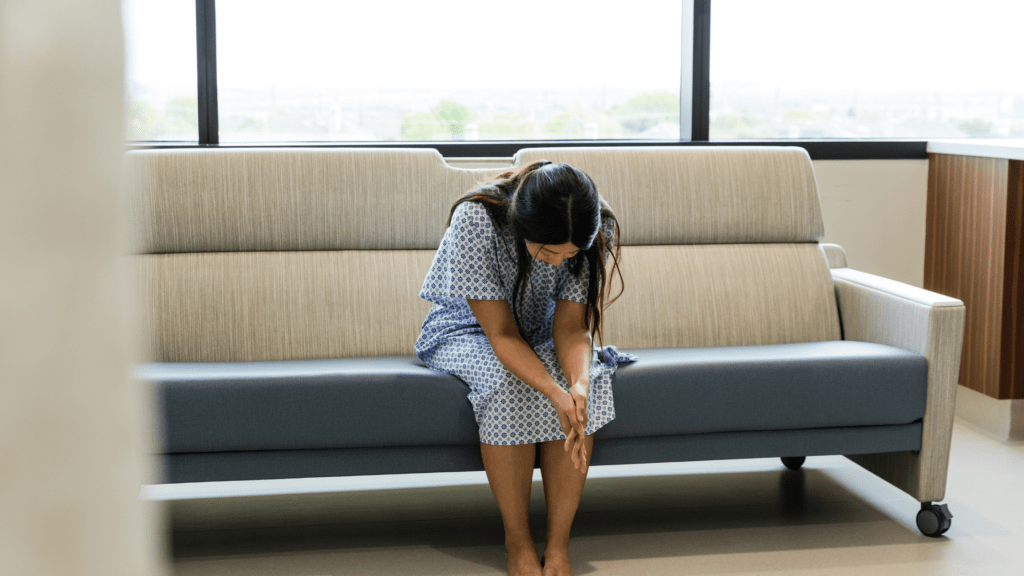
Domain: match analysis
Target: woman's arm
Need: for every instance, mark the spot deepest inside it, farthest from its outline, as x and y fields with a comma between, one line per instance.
x=572, y=340
x=574, y=347
x=495, y=317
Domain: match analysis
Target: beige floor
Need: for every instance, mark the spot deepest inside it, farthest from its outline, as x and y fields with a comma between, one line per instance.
x=733, y=517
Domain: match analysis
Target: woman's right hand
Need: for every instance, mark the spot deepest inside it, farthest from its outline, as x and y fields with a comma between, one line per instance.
x=572, y=427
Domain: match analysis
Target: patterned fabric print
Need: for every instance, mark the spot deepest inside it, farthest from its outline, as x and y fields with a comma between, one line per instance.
x=508, y=410
x=476, y=261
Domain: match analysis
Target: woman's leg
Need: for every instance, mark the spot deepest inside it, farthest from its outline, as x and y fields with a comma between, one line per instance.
x=563, y=486
x=510, y=474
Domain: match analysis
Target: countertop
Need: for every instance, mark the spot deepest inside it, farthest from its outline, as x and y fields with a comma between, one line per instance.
x=1012, y=149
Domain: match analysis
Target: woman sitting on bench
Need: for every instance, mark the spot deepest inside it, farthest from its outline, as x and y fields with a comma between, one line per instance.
x=518, y=287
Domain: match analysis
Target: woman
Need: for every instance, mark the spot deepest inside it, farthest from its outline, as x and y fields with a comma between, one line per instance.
x=517, y=287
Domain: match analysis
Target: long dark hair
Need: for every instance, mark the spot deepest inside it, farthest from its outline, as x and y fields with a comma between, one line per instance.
x=553, y=204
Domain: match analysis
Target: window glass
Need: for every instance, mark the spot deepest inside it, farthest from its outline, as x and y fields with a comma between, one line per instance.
x=310, y=70
x=160, y=78
x=870, y=69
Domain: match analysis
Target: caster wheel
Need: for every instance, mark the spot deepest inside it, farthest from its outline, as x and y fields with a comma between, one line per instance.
x=933, y=519
x=793, y=462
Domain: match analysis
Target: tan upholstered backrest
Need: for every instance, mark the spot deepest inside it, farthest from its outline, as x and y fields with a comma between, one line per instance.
x=722, y=295
x=701, y=195
x=271, y=254
x=241, y=306
x=720, y=244
x=278, y=254
x=236, y=200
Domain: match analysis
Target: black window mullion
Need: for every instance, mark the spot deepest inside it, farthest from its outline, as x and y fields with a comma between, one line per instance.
x=686, y=72
x=206, y=67
x=700, y=103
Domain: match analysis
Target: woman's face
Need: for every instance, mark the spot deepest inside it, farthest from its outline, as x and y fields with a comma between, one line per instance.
x=552, y=254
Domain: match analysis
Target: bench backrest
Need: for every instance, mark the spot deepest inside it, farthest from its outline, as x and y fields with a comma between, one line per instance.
x=278, y=254
x=720, y=244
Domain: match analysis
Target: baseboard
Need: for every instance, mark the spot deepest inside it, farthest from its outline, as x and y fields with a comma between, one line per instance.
x=1004, y=419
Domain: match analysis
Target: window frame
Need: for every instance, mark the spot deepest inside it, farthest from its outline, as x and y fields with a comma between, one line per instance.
x=694, y=104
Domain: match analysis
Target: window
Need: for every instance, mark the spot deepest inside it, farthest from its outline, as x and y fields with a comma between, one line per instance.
x=871, y=69
x=839, y=77
x=160, y=78
x=321, y=70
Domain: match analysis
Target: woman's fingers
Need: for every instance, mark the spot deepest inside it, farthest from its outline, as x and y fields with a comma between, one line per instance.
x=581, y=411
x=564, y=424
x=565, y=414
x=583, y=455
x=580, y=460
x=576, y=441
x=580, y=430
x=569, y=438
x=572, y=417
x=579, y=396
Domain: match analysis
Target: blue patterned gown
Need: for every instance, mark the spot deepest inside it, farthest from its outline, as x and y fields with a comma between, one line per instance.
x=477, y=261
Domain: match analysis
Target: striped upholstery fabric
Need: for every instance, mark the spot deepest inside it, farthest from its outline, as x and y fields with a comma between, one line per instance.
x=297, y=305
x=267, y=254
x=291, y=199
x=249, y=306
x=701, y=195
x=722, y=295
x=880, y=310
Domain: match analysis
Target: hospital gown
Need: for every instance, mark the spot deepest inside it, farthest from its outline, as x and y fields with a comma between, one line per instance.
x=478, y=261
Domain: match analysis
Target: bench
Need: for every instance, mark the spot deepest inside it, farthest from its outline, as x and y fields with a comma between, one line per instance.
x=279, y=291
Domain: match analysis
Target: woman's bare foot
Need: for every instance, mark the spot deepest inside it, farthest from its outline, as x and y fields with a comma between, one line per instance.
x=556, y=563
x=522, y=559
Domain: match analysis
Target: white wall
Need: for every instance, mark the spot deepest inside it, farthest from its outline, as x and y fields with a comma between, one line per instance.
x=875, y=210
x=71, y=418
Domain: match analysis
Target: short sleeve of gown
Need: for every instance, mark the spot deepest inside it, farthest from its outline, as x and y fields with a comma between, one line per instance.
x=465, y=265
x=574, y=288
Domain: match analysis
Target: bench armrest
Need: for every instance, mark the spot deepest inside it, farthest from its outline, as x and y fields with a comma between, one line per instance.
x=835, y=255
x=883, y=311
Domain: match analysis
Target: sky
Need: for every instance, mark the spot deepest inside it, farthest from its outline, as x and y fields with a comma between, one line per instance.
x=439, y=44
x=892, y=45
x=886, y=45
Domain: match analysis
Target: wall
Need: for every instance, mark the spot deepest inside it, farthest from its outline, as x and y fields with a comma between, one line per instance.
x=875, y=210
x=71, y=418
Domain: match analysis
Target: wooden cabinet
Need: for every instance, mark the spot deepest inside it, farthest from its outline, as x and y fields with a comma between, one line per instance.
x=974, y=251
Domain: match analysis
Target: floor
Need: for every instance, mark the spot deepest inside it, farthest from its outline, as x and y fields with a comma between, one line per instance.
x=730, y=517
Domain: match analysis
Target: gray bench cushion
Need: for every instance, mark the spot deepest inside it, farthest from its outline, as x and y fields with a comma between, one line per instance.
x=776, y=387
x=381, y=402
x=308, y=404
